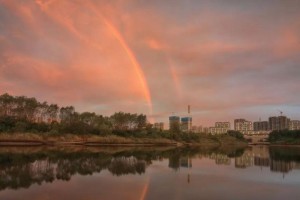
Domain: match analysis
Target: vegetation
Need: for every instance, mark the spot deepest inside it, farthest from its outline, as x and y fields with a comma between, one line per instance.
x=285, y=137
x=26, y=119
x=20, y=168
x=22, y=114
x=236, y=134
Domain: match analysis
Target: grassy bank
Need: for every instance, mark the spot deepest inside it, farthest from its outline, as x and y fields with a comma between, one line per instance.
x=286, y=141
x=14, y=139
x=285, y=137
x=218, y=140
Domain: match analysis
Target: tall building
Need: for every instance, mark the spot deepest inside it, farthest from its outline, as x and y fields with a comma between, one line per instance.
x=174, y=122
x=279, y=123
x=294, y=125
x=244, y=126
x=186, y=124
x=236, y=123
x=159, y=126
x=261, y=126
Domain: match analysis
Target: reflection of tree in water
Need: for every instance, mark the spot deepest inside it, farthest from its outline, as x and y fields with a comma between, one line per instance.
x=20, y=170
x=123, y=165
x=284, y=159
x=23, y=175
x=23, y=170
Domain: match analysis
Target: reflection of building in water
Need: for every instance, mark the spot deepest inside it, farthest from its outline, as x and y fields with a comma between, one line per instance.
x=186, y=162
x=174, y=161
x=297, y=165
x=281, y=166
x=244, y=161
x=261, y=156
x=263, y=162
x=220, y=159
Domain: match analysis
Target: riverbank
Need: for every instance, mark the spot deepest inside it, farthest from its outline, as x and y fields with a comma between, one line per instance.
x=286, y=142
x=33, y=139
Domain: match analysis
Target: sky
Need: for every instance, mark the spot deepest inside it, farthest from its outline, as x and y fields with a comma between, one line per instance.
x=227, y=59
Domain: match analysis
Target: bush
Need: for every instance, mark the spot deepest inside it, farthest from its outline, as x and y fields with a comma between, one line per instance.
x=236, y=134
x=284, y=135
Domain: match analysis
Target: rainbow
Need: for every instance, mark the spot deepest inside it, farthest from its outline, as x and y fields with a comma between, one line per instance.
x=174, y=76
x=132, y=58
x=137, y=68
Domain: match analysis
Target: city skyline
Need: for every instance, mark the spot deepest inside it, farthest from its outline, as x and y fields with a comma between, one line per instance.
x=238, y=59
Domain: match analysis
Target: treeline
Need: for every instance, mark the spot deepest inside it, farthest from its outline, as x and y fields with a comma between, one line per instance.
x=287, y=136
x=23, y=114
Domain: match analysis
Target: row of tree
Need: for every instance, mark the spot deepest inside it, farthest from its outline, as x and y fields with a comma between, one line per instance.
x=285, y=135
x=21, y=114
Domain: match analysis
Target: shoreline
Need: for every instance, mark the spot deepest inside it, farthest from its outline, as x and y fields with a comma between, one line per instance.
x=140, y=142
x=79, y=143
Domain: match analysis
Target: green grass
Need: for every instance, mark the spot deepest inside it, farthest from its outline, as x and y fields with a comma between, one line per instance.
x=201, y=139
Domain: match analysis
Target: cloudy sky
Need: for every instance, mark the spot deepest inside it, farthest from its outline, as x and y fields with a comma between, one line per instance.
x=226, y=58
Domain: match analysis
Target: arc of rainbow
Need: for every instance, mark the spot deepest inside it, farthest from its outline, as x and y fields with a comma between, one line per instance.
x=174, y=75
x=123, y=44
x=131, y=56
x=145, y=190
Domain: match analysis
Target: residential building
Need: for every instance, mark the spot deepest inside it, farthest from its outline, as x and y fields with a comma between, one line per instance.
x=222, y=125
x=236, y=123
x=279, y=123
x=159, y=126
x=205, y=130
x=261, y=126
x=216, y=131
x=197, y=129
x=174, y=122
x=244, y=126
x=294, y=125
x=220, y=128
x=186, y=124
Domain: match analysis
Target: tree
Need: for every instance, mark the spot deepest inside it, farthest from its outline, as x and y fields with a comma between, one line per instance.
x=66, y=114
x=235, y=134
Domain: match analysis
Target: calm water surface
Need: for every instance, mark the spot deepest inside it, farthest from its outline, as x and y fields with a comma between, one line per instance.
x=41, y=173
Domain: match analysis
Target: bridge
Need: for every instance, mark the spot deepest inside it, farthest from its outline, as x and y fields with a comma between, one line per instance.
x=257, y=139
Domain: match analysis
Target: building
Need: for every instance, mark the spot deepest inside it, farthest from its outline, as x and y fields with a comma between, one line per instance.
x=197, y=129
x=261, y=126
x=243, y=126
x=279, y=123
x=159, y=126
x=174, y=122
x=220, y=128
x=205, y=130
x=236, y=123
x=222, y=125
x=186, y=124
x=294, y=125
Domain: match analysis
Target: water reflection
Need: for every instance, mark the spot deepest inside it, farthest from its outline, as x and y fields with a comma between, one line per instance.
x=22, y=167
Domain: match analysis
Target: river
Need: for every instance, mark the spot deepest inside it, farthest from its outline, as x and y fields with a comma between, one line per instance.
x=88, y=173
